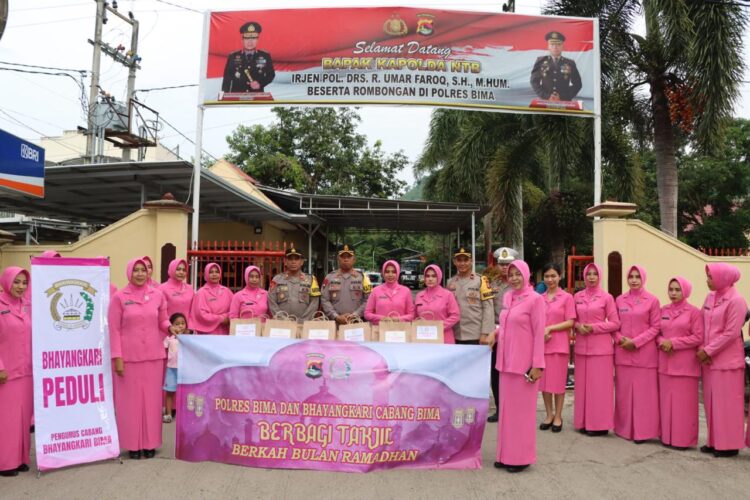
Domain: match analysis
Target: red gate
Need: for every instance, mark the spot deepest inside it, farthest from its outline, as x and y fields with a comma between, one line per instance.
x=234, y=257
x=576, y=264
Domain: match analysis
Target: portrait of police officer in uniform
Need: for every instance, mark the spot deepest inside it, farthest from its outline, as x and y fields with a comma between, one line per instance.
x=249, y=69
x=554, y=77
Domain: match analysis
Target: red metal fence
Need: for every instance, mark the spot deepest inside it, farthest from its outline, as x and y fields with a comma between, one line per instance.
x=234, y=257
x=726, y=252
x=576, y=263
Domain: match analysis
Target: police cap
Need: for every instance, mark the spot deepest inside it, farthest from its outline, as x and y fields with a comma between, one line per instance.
x=250, y=30
x=554, y=36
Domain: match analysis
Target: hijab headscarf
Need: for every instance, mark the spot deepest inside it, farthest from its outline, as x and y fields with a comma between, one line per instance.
x=686, y=288
x=523, y=268
x=439, y=274
x=642, y=273
x=173, y=283
x=723, y=275
x=50, y=253
x=248, y=270
x=592, y=289
x=398, y=273
x=213, y=289
x=139, y=293
x=150, y=281
x=6, y=284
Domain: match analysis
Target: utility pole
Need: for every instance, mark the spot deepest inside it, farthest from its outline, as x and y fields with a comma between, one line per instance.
x=129, y=59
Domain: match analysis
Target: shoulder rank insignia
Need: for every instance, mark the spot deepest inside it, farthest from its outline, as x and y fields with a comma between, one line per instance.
x=485, y=290
x=314, y=288
x=366, y=285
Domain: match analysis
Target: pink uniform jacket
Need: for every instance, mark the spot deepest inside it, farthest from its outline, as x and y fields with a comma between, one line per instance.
x=179, y=294
x=682, y=324
x=640, y=314
x=559, y=309
x=138, y=322
x=389, y=299
x=15, y=327
x=249, y=302
x=438, y=304
x=723, y=316
x=210, y=307
x=520, y=332
x=597, y=308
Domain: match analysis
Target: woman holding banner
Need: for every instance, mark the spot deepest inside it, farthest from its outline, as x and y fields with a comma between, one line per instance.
x=251, y=301
x=209, y=314
x=437, y=303
x=138, y=323
x=520, y=360
x=177, y=291
x=389, y=299
x=16, y=387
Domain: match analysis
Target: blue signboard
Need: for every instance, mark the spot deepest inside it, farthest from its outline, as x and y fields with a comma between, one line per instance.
x=21, y=165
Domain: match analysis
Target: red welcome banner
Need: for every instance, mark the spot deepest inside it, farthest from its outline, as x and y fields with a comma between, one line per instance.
x=396, y=55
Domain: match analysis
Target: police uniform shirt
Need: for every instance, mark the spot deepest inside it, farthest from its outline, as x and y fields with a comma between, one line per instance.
x=474, y=298
x=344, y=293
x=257, y=64
x=499, y=288
x=561, y=76
x=298, y=296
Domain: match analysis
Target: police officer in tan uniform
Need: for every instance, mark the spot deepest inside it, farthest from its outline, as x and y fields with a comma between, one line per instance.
x=474, y=298
x=344, y=293
x=293, y=291
x=499, y=285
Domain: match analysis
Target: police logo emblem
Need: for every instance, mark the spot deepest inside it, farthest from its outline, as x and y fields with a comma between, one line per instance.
x=314, y=367
x=425, y=24
x=395, y=26
x=72, y=306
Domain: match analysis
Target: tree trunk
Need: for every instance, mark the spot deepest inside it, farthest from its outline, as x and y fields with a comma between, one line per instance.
x=666, y=161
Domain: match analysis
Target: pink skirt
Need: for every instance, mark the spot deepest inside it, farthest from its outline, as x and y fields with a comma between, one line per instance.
x=678, y=409
x=516, y=431
x=636, y=403
x=593, y=409
x=555, y=373
x=138, y=397
x=16, y=403
x=723, y=400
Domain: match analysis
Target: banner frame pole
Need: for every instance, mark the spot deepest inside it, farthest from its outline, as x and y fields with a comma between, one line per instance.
x=195, y=229
x=597, y=116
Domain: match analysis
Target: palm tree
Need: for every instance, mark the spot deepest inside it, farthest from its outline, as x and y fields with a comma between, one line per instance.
x=690, y=60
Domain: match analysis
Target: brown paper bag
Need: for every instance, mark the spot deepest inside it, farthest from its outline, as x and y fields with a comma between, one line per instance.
x=282, y=326
x=355, y=330
x=393, y=330
x=319, y=328
x=426, y=330
x=246, y=327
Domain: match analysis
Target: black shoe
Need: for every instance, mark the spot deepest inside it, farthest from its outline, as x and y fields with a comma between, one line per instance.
x=515, y=468
x=174, y=413
x=544, y=426
x=640, y=441
x=149, y=453
x=9, y=473
x=32, y=429
x=582, y=431
x=23, y=468
x=597, y=433
x=678, y=448
x=492, y=418
x=500, y=465
x=135, y=455
x=557, y=428
x=707, y=449
x=726, y=453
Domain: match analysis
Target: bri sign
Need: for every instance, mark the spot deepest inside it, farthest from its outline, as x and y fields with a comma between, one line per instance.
x=21, y=165
x=252, y=401
x=73, y=407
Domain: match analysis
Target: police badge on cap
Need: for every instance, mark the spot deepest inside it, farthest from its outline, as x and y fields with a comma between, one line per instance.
x=250, y=30
x=505, y=255
x=555, y=36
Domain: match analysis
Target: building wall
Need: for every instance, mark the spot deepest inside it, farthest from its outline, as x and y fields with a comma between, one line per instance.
x=662, y=256
x=72, y=144
x=141, y=233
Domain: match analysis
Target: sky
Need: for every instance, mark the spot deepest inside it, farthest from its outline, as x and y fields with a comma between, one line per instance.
x=54, y=33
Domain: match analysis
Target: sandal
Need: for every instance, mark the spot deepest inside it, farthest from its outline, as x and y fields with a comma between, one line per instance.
x=167, y=419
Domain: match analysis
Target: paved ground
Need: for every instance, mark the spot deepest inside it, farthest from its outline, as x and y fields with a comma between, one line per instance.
x=570, y=466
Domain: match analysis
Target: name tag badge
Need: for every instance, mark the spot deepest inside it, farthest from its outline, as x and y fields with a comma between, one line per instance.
x=5, y=312
x=129, y=302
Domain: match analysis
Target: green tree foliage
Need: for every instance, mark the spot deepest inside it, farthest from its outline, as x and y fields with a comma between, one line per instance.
x=317, y=150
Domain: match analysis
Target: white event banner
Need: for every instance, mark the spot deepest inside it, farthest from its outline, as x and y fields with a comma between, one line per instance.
x=73, y=407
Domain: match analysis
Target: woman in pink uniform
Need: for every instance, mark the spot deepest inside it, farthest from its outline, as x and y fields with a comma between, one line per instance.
x=389, y=299
x=150, y=268
x=723, y=358
x=138, y=324
x=16, y=388
x=560, y=314
x=637, y=361
x=251, y=301
x=437, y=303
x=596, y=322
x=520, y=361
x=209, y=314
x=679, y=369
x=176, y=290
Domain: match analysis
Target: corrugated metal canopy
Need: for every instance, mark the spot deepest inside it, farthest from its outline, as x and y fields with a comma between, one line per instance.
x=105, y=193
x=377, y=214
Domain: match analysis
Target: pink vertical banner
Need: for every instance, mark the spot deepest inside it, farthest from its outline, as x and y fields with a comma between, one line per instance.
x=328, y=405
x=73, y=407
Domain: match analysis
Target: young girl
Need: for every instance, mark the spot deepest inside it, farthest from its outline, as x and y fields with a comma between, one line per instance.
x=179, y=327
